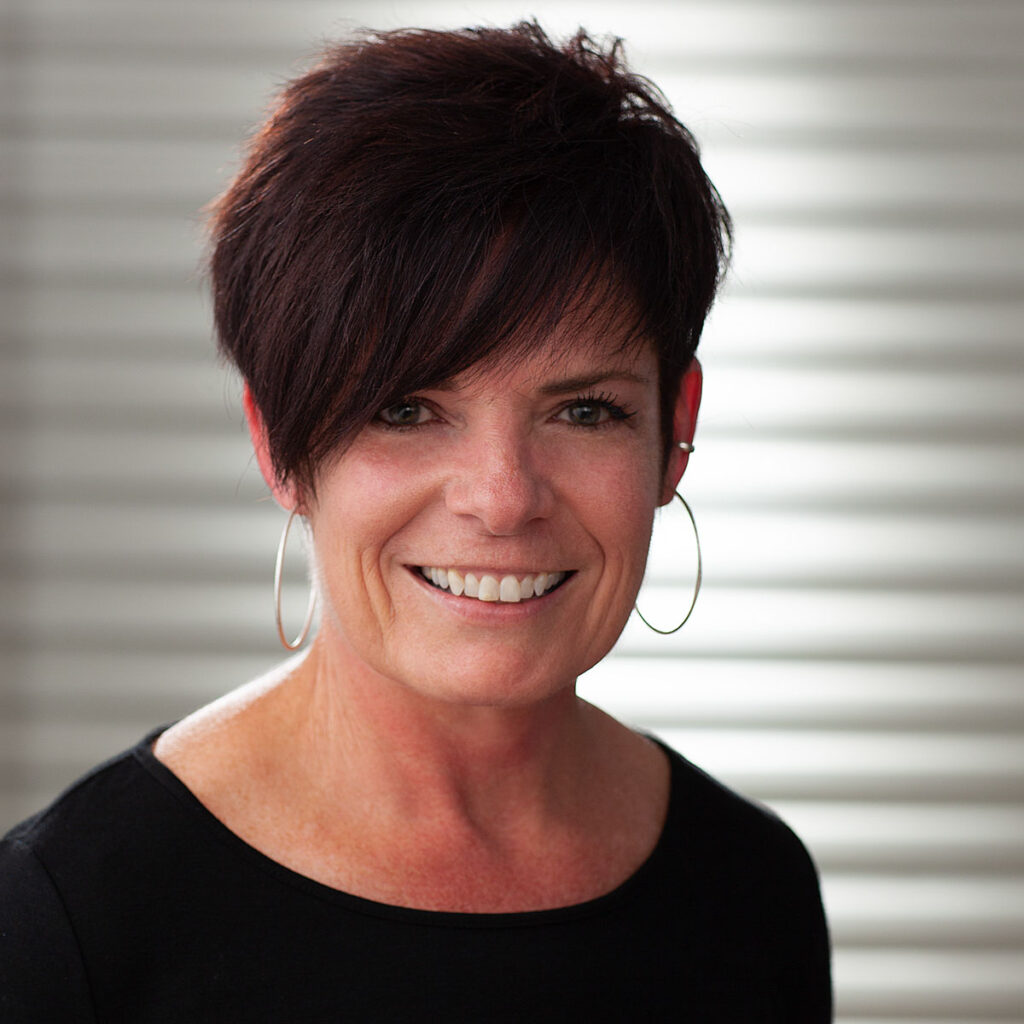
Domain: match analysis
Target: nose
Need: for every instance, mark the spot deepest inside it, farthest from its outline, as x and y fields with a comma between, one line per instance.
x=498, y=481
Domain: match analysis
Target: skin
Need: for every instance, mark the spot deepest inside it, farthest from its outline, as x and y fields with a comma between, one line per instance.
x=429, y=750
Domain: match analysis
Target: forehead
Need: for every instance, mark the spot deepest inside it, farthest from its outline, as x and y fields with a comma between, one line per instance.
x=580, y=350
x=554, y=368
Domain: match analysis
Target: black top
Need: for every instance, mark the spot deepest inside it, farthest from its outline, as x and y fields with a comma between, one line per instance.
x=127, y=900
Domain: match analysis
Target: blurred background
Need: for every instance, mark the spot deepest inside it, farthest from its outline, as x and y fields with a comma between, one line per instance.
x=856, y=657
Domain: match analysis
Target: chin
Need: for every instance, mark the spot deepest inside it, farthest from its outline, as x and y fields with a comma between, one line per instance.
x=515, y=686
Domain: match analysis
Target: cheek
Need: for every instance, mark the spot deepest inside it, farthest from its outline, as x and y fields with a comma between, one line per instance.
x=614, y=503
x=365, y=497
x=366, y=478
x=621, y=488
x=361, y=505
x=622, y=526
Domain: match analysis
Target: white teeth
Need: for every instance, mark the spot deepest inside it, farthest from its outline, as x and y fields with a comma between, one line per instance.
x=487, y=587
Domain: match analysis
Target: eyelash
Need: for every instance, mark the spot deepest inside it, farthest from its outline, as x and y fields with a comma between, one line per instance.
x=616, y=413
x=410, y=401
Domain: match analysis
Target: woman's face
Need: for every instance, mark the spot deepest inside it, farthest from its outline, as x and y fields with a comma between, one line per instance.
x=545, y=476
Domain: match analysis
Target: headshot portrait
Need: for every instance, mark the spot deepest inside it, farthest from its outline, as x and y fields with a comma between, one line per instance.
x=513, y=515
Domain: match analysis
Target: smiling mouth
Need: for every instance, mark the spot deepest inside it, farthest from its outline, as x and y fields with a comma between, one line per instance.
x=491, y=587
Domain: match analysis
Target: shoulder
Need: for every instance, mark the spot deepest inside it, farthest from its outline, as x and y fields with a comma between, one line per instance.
x=42, y=974
x=95, y=811
x=220, y=749
x=743, y=844
x=47, y=863
x=112, y=837
x=97, y=790
x=748, y=887
x=89, y=837
x=750, y=878
x=720, y=817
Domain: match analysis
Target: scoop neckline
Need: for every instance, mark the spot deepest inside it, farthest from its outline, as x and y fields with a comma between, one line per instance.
x=255, y=858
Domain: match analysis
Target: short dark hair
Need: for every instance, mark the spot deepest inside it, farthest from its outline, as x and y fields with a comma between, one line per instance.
x=423, y=200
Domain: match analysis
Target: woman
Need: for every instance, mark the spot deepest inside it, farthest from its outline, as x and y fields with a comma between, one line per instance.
x=463, y=276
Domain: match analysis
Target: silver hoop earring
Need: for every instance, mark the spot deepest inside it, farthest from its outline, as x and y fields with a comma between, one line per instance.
x=278, y=571
x=696, y=587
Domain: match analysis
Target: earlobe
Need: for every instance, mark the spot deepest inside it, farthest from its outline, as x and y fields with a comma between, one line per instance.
x=284, y=494
x=684, y=424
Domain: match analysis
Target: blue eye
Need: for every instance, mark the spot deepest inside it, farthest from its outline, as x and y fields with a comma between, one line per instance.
x=407, y=413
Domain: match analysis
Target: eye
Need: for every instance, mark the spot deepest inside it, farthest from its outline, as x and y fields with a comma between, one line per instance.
x=407, y=413
x=586, y=414
x=592, y=411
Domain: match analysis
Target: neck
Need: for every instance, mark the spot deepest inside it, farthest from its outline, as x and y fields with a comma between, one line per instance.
x=420, y=758
x=422, y=803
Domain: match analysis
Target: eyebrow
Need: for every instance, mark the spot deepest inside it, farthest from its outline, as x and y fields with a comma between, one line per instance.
x=566, y=384
x=587, y=381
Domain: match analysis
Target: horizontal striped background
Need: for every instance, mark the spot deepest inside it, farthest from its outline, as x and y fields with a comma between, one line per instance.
x=855, y=659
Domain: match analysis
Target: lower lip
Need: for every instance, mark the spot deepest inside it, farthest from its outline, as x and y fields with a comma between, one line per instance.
x=491, y=611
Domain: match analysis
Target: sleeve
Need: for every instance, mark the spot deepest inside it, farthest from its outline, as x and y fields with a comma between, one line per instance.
x=803, y=989
x=42, y=976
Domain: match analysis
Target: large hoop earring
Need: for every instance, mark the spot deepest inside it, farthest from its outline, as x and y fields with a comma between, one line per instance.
x=696, y=587
x=295, y=644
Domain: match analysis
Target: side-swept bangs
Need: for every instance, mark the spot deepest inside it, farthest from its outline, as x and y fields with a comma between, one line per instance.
x=422, y=201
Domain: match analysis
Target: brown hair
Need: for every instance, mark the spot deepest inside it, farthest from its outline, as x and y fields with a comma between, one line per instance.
x=423, y=200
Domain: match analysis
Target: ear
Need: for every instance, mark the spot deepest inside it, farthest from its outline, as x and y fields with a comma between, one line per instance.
x=286, y=495
x=684, y=423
